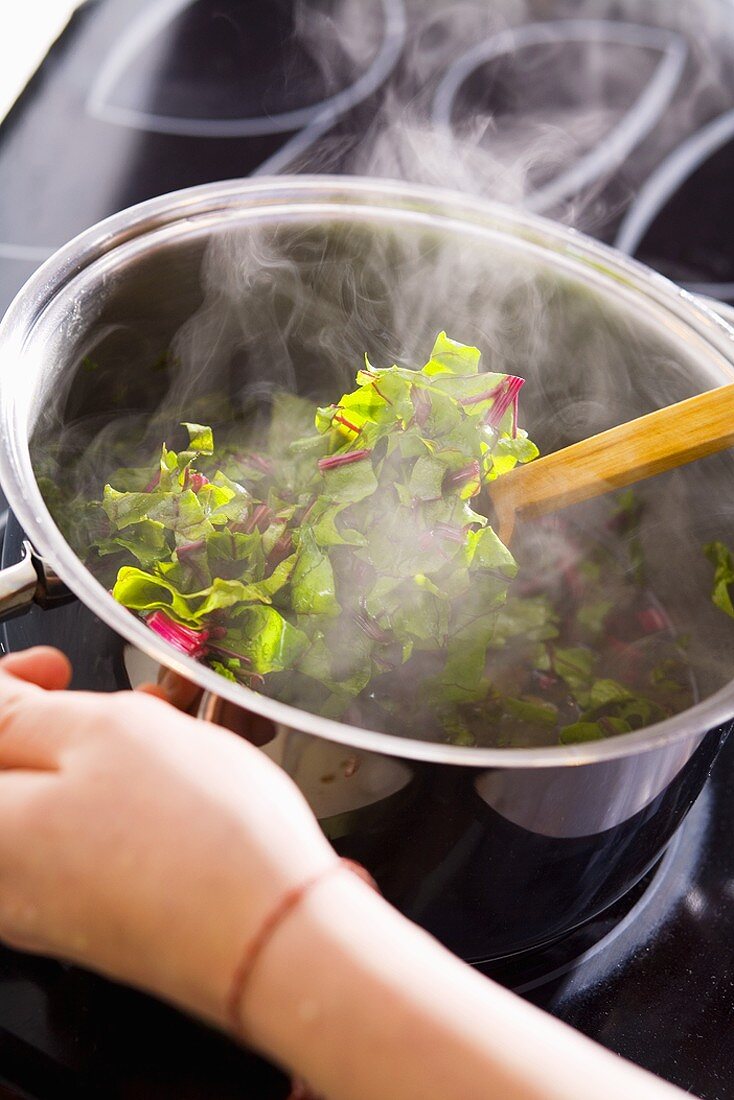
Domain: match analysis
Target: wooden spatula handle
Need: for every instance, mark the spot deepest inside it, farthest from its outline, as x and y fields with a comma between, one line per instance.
x=661, y=440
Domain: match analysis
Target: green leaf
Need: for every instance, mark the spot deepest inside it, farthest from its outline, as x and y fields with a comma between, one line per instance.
x=592, y=615
x=183, y=514
x=124, y=509
x=224, y=670
x=422, y=617
x=230, y=594
x=146, y=541
x=223, y=500
x=312, y=584
x=450, y=357
x=140, y=591
x=325, y=529
x=134, y=479
x=530, y=618
x=351, y=658
x=234, y=554
x=485, y=550
x=426, y=479
x=350, y=484
x=535, y=712
x=579, y=732
x=604, y=692
x=201, y=438
x=575, y=665
x=316, y=661
x=266, y=639
x=721, y=557
x=509, y=452
x=463, y=678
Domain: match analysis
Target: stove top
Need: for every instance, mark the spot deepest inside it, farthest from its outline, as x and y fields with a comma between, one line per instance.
x=619, y=122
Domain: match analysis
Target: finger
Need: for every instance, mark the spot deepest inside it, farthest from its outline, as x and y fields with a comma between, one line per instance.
x=46, y=667
x=172, y=697
x=179, y=692
x=255, y=728
x=153, y=689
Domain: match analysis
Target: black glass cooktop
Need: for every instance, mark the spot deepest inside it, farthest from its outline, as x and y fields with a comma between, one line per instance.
x=615, y=117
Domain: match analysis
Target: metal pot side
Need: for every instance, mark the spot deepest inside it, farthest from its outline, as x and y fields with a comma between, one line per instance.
x=495, y=861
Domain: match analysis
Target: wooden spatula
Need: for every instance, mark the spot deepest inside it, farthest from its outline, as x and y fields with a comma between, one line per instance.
x=663, y=439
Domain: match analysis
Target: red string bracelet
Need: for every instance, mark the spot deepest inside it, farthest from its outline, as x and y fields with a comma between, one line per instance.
x=270, y=925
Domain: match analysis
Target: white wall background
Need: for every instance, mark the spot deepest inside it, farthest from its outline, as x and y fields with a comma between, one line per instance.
x=27, y=29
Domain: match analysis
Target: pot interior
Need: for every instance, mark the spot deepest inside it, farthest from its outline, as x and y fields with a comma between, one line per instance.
x=206, y=320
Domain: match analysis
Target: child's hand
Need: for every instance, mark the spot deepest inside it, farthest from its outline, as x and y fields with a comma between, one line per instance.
x=136, y=840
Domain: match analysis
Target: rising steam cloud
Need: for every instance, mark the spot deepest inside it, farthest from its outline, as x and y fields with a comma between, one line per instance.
x=510, y=99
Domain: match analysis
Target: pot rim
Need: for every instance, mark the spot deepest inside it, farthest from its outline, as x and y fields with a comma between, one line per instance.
x=181, y=211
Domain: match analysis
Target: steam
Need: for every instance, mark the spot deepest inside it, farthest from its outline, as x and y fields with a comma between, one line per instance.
x=562, y=108
x=287, y=306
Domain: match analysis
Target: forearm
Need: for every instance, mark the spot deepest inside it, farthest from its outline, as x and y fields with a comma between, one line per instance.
x=364, y=1005
x=177, y=873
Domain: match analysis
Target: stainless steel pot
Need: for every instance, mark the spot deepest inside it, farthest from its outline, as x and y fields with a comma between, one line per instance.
x=493, y=850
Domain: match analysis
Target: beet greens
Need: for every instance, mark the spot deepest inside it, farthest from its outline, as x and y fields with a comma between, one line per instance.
x=342, y=564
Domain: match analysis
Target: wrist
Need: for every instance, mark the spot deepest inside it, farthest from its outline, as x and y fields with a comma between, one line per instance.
x=291, y=900
x=197, y=956
x=309, y=966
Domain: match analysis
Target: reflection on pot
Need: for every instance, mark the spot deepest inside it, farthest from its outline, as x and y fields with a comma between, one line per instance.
x=575, y=802
x=461, y=851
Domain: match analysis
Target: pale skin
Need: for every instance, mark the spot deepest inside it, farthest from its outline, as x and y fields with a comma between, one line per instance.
x=151, y=847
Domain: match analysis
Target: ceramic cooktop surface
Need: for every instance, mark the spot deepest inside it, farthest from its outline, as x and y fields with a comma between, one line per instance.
x=617, y=118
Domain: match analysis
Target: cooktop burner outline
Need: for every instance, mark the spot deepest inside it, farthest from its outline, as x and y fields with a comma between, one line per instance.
x=670, y=884
x=623, y=137
x=383, y=65
x=312, y=120
x=662, y=184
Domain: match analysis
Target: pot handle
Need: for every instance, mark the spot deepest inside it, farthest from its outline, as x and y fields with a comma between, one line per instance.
x=30, y=581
